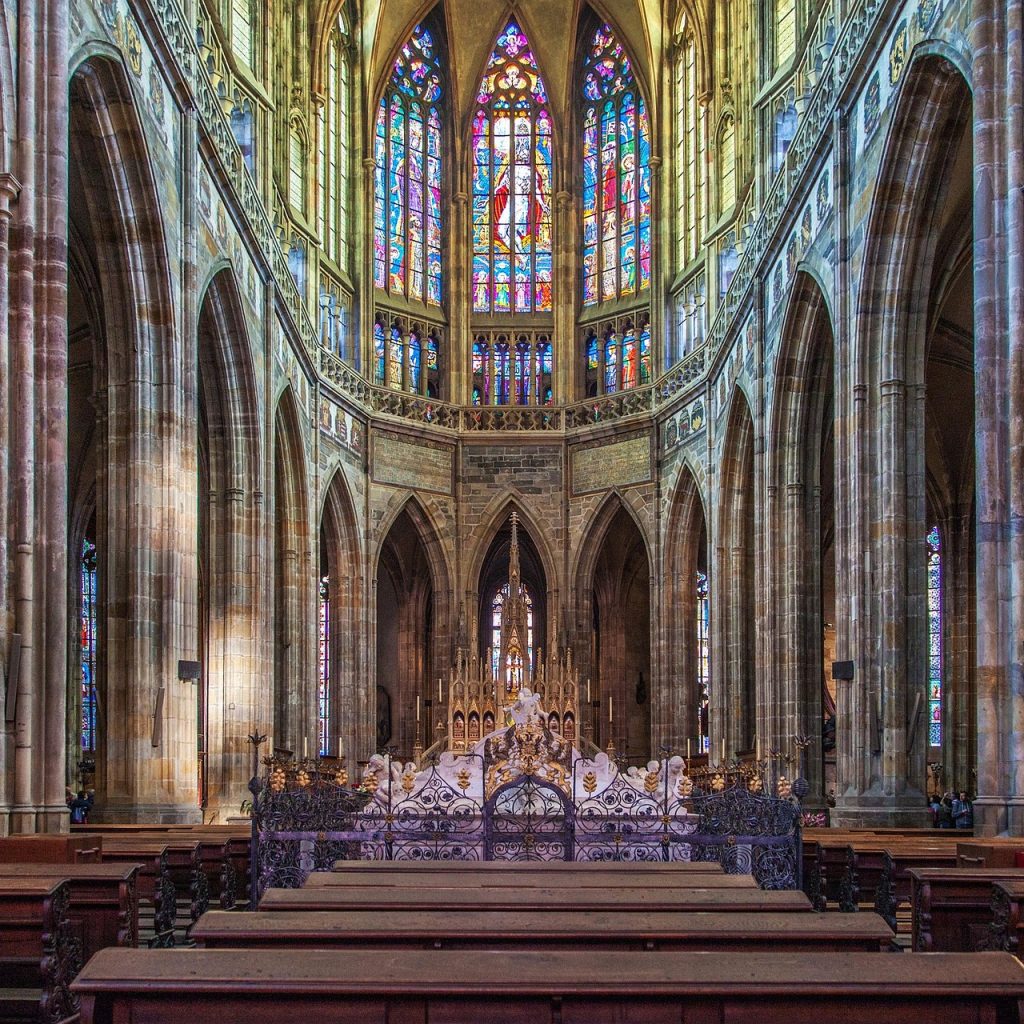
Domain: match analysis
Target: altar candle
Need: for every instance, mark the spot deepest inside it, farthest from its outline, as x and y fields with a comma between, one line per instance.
x=439, y=698
x=723, y=752
x=417, y=707
x=610, y=706
x=687, y=748
x=305, y=746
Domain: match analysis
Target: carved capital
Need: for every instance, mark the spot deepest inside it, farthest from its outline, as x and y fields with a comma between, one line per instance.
x=10, y=189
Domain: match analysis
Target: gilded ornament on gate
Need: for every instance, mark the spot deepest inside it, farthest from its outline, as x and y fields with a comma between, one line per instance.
x=371, y=783
x=685, y=786
x=754, y=784
x=408, y=780
x=277, y=780
x=590, y=782
x=651, y=782
x=462, y=778
x=341, y=777
x=785, y=787
x=302, y=778
x=718, y=782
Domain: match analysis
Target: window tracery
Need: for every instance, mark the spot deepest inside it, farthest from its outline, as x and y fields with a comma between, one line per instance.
x=933, y=546
x=407, y=180
x=87, y=636
x=334, y=147
x=617, y=356
x=324, y=667
x=512, y=369
x=512, y=177
x=616, y=175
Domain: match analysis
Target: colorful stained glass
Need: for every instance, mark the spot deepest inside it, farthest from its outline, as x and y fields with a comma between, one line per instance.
x=703, y=658
x=379, y=353
x=496, y=606
x=324, y=675
x=481, y=373
x=934, y=550
x=415, y=362
x=512, y=266
x=395, y=360
x=645, y=355
x=616, y=209
x=407, y=175
x=87, y=625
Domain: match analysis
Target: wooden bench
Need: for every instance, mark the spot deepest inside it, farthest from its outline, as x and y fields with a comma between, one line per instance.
x=952, y=907
x=585, y=877
x=391, y=899
x=103, y=907
x=571, y=929
x=181, y=863
x=39, y=956
x=619, y=868
x=81, y=848
x=990, y=853
x=515, y=987
x=1007, y=915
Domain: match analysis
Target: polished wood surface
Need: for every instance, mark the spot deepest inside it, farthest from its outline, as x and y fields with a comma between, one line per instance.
x=584, y=878
x=571, y=929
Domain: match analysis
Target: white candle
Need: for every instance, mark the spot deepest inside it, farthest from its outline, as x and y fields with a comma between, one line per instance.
x=610, y=706
x=305, y=746
x=687, y=748
x=439, y=698
x=417, y=707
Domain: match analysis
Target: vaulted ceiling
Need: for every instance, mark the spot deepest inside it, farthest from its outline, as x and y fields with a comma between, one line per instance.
x=473, y=26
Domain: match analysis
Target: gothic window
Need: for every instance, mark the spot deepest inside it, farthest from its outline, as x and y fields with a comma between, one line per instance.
x=934, y=550
x=785, y=31
x=616, y=175
x=243, y=31
x=379, y=347
x=87, y=625
x=296, y=170
x=784, y=125
x=512, y=183
x=512, y=373
x=334, y=327
x=618, y=360
x=324, y=668
x=496, y=608
x=243, y=128
x=727, y=166
x=690, y=150
x=703, y=659
x=334, y=147
x=407, y=178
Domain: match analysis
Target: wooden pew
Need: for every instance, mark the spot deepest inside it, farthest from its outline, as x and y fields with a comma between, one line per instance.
x=390, y=899
x=177, y=866
x=39, y=956
x=515, y=987
x=621, y=868
x=952, y=907
x=571, y=929
x=82, y=848
x=990, y=853
x=1007, y=915
x=103, y=900
x=584, y=878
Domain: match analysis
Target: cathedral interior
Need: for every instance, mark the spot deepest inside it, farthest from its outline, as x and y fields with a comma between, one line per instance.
x=357, y=352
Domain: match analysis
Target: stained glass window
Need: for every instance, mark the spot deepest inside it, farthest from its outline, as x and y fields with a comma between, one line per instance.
x=616, y=175
x=727, y=167
x=242, y=30
x=297, y=171
x=324, y=674
x=933, y=546
x=407, y=177
x=785, y=31
x=622, y=361
x=703, y=658
x=88, y=613
x=379, y=346
x=334, y=148
x=496, y=608
x=690, y=150
x=512, y=182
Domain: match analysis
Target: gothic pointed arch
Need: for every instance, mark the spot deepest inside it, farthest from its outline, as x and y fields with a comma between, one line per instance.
x=680, y=711
x=294, y=705
x=413, y=626
x=613, y=595
x=231, y=554
x=344, y=703
x=799, y=695
x=130, y=404
x=733, y=691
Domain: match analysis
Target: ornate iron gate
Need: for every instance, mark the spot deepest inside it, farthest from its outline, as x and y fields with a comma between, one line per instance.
x=528, y=819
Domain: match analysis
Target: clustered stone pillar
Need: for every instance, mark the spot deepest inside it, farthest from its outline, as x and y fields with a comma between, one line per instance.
x=998, y=84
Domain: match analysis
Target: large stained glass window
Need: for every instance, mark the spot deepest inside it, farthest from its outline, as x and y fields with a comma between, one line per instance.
x=334, y=147
x=509, y=371
x=407, y=178
x=934, y=549
x=87, y=623
x=689, y=151
x=324, y=667
x=512, y=182
x=619, y=360
x=703, y=659
x=497, y=605
x=616, y=175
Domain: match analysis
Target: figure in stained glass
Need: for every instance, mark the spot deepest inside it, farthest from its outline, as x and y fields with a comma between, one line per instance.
x=407, y=175
x=616, y=198
x=512, y=267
